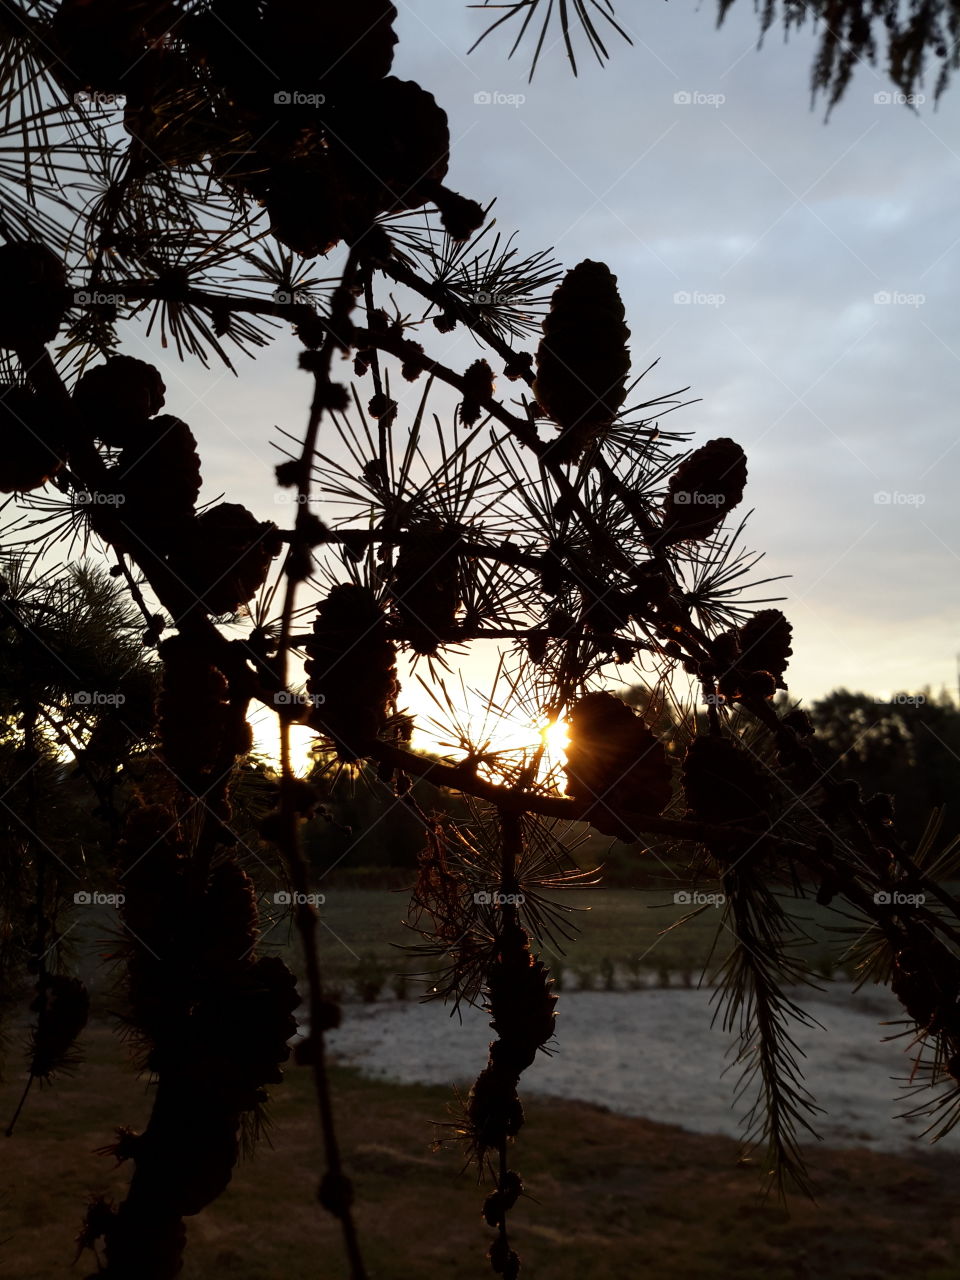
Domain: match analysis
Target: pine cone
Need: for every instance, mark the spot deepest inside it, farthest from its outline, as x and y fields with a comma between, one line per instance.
x=392, y=143
x=426, y=588
x=582, y=360
x=478, y=386
x=158, y=477
x=616, y=762
x=225, y=556
x=703, y=489
x=765, y=643
x=34, y=297
x=351, y=669
x=32, y=451
x=191, y=710
x=117, y=397
x=331, y=44
x=102, y=42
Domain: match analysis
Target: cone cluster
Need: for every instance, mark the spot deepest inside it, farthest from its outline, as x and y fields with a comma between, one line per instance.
x=616, y=763
x=582, y=360
x=351, y=669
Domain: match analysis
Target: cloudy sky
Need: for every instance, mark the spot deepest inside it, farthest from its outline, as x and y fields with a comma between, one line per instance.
x=799, y=276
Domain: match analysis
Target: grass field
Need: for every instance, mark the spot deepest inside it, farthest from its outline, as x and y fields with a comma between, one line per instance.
x=609, y=1198
x=625, y=933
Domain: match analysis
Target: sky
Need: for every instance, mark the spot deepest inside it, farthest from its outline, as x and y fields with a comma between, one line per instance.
x=798, y=275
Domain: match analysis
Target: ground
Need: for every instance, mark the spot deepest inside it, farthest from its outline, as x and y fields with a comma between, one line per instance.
x=610, y=1197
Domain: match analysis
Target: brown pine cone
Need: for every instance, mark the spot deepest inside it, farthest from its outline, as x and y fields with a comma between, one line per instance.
x=582, y=360
x=765, y=643
x=616, y=762
x=158, y=477
x=351, y=668
x=331, y=43
x=703, y=489
x=35, y=295
x=191, y=710
x=115, y=398
x=426, y=588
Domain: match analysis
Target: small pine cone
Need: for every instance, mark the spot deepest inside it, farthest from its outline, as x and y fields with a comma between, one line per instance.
x=63, y=1005
x=190, y=712
x=478, y=386
x=765, y=643
x=226, y=556
x=351, y=668
x=158, y=476
x=34, y=295
x=722, y=783
x=582, y=360
x=32, y=449
x=461, y=217
x=309, y=211
x=493, y=1108
x=615, y=762
x=703, y=489
x=503, y=1260
x=426, y=588
x=117, y=397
